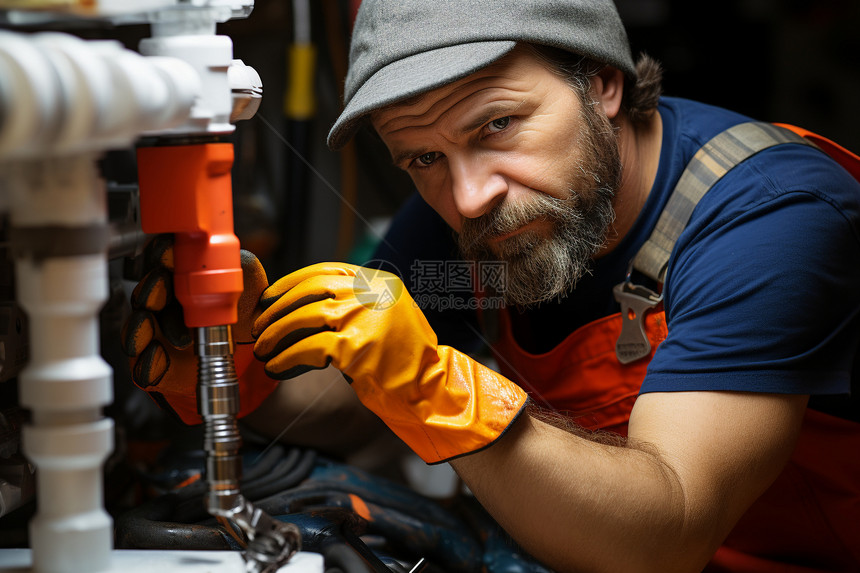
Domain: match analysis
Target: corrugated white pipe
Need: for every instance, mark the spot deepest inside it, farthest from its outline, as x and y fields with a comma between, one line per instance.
x=60, y=95
x=63, y=102
x=56, y=206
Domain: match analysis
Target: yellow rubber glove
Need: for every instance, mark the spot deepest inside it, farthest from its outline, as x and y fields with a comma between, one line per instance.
x=159, y=344
x=439, y=401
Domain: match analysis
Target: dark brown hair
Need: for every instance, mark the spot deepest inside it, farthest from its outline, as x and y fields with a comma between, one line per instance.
x=640, y=95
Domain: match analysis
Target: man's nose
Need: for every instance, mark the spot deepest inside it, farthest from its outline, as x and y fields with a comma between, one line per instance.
x=477, y=185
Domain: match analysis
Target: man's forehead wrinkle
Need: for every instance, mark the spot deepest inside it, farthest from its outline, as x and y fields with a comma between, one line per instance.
x=428, y=108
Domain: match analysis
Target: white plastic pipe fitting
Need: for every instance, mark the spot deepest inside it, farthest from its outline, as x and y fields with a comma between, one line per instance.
x=60, y=95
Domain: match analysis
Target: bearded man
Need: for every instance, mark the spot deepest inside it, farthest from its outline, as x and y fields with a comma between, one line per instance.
x=680, y=329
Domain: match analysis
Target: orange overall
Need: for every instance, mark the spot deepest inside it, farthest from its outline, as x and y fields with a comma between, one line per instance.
x=807, y=521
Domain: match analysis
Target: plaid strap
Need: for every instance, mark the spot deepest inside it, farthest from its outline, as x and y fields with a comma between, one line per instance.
x=708, y=165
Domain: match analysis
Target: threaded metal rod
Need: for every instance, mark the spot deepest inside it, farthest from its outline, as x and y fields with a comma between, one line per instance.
x=271, y=542
x=218, y=404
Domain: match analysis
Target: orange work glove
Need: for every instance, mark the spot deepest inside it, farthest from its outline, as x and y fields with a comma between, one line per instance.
x=162, y=360
x=439, y=401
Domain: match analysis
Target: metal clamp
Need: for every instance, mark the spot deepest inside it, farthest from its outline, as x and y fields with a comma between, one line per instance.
x=635, y=301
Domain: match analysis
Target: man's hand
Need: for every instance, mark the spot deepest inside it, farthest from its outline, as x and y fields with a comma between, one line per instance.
x=163, y=362
x=363, y=322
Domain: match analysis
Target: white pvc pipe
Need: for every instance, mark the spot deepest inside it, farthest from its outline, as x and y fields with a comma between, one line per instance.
x=63, y=96
x=66, y=382
x=64, y=101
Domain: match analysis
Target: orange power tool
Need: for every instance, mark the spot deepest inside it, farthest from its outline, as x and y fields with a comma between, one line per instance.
x=187, y=190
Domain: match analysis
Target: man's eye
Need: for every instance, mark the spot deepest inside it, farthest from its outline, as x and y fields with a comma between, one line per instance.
x=427, y=159
x=499, y=124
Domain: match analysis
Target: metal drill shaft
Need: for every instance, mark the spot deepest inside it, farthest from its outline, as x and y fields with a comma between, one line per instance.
x=218, y=404
x=271, y=543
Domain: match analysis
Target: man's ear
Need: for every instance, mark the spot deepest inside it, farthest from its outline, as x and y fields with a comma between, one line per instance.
x=607, y=88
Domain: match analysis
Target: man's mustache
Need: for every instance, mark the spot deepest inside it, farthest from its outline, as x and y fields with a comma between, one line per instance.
x=507, y=217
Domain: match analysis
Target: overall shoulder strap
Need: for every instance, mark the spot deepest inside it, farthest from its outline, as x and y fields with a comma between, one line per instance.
x=847, y=159
x=716, y=158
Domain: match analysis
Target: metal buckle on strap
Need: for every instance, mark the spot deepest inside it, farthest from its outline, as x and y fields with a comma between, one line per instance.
x=635, y=301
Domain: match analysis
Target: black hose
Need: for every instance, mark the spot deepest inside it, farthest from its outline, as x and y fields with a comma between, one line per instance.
x=188, y=505
x=287, y=473
x=265, y=462
x=340, y=557
x=363, y=551
x=413, y=532
x=300, y=470
x=334, y=533
x=279, y=468
x=150, y=527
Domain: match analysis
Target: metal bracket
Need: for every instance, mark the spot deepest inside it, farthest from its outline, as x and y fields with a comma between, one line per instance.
x=635, y=301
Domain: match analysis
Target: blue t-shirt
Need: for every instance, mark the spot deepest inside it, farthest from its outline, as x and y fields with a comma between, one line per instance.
x=763, y=287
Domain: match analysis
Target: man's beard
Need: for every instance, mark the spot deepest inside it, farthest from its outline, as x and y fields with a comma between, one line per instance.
x=541, y=265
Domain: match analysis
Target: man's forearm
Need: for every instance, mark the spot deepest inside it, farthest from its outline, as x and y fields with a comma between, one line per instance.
x=577, y=504
x=664, y=501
